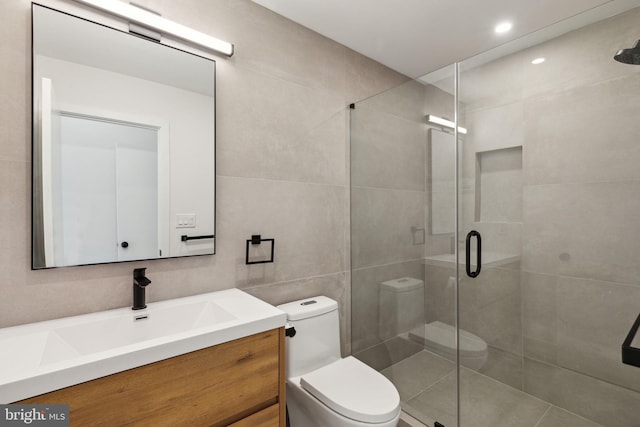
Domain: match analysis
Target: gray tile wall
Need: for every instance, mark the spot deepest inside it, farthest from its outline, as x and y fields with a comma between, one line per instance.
x=282, y=146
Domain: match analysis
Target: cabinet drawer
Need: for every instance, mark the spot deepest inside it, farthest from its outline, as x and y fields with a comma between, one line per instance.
x=268, y=417
x=213, y=386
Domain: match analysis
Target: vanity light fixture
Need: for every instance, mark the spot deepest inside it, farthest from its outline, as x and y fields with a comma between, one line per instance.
x=158, y=23
x=435, y=120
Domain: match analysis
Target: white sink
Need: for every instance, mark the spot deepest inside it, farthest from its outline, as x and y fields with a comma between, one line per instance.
x=137, y=326
x=46, y=356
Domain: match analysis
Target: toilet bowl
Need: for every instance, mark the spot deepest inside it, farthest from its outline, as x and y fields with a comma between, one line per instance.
x=324, y=389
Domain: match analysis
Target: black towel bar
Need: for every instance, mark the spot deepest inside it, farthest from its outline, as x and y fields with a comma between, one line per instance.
x=184, y=237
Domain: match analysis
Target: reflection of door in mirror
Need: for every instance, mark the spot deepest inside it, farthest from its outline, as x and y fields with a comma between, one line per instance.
x=108, y=176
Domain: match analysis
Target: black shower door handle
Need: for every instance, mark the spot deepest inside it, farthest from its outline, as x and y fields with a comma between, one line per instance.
x=472, y=274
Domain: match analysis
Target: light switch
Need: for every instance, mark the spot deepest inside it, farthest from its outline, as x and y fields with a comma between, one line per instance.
x=186, y=221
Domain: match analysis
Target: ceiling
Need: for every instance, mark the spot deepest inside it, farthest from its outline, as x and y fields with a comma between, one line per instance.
x=416, y=37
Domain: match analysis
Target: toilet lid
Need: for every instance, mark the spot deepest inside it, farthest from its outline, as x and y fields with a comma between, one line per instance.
x=354, y=390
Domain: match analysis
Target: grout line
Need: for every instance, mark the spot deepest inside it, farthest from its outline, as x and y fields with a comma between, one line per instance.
x=505, y=384
x=583, y=374
x=301, y=279
x=408, y=190
x=588, y=279
x=14, y=160
x=388, y=264
x=444, y=377
x=543, y=415
x=264, y=179
x=537, y=95
x=611, y=181
x=576, y=415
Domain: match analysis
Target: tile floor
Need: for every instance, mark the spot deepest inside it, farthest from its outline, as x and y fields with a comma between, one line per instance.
x=427, y=386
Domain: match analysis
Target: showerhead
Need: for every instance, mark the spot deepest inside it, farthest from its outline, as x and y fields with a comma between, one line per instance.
x=629, y=56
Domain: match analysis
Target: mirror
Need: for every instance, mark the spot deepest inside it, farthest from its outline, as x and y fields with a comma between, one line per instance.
x=442, y=147
x=123, y=146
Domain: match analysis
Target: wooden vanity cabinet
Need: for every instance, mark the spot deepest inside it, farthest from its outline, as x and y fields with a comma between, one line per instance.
x=238, y=383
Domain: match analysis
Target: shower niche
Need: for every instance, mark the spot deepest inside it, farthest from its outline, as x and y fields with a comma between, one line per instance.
x=498, y=185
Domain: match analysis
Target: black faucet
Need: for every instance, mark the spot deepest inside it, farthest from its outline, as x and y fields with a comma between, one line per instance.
x=140, y=282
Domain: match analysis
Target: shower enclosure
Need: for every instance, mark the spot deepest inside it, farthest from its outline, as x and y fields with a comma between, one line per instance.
x=494, y=211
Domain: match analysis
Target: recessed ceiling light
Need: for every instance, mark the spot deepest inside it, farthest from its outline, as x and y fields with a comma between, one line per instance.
x=538, y=61
x=503, y=27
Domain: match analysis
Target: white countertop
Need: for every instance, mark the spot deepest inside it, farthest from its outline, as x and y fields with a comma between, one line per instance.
x=41, y=357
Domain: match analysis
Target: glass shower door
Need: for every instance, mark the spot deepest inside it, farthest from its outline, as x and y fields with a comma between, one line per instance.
x=402, y=243
x=548, y=176
x=473, y=198
x=489, y=245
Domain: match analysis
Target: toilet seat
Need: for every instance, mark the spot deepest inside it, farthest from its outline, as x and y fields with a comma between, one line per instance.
x=354, y=390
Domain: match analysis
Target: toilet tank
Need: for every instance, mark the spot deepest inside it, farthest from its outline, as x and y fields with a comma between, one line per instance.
x=317, y=339
x=401, y=306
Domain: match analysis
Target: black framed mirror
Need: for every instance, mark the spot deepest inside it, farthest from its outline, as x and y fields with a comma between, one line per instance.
x=123, y=146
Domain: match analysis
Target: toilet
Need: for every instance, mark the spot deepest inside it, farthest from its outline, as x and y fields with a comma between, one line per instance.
x=402, y=314
x=323, y=389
